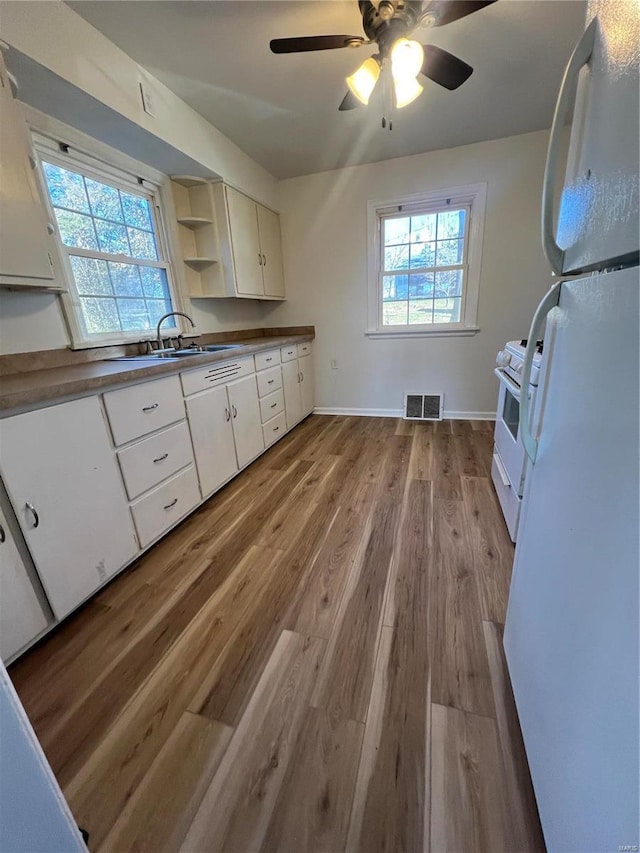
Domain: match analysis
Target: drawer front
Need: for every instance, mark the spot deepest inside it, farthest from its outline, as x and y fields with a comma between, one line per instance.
x=269, y=381
x=267, y=359
x=144, y=408
x=274, y=429
x=216, y=374
x=153, y=459
x=509, y=501
x=304, y=349
x=157, y=511
x=289, y=353
x=271, y=405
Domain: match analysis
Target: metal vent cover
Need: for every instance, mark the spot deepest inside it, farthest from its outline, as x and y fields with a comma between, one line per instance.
x=423, y=407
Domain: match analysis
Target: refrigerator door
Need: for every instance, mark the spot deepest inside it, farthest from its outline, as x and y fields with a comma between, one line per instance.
x=598, y=221
x=571, y=634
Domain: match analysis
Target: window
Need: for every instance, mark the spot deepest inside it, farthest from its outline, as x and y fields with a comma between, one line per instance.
x=424, y=263
x=110, y=236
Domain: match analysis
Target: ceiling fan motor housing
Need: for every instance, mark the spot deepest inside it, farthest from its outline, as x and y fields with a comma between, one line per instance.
x=384, y=28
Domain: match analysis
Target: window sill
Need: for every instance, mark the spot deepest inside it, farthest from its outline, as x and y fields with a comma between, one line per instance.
x=459, y=332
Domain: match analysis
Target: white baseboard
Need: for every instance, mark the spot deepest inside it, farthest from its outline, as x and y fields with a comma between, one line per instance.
x=397, y=413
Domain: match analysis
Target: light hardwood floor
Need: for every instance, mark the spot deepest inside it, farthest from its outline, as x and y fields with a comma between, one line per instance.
x=311, y=662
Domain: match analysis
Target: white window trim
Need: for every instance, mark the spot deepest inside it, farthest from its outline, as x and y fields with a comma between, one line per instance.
x=103, y=163
x=471, y=195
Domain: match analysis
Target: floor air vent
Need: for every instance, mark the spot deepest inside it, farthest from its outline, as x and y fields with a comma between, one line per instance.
x=423, y=407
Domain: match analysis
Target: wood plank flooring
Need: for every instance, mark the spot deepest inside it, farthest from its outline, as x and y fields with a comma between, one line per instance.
x=311, y=662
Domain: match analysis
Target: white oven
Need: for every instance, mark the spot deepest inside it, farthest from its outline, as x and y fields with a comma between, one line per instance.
x=510, y=461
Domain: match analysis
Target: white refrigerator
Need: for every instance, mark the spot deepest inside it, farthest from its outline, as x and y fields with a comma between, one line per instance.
x=571, y=634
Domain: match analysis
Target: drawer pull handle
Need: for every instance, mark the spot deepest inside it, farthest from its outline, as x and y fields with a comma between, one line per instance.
x=32, y=510
x=172, y=504
x=259, y=258
x=235, y=411
x=273, y=405
x=298, y=378
x=150, y=408
x=301, y=376
x=264, y=260
x=227, y=414
x=275, y=429
x=3, y=535
x=161, y=458
x=270, y=381
x=268, y=359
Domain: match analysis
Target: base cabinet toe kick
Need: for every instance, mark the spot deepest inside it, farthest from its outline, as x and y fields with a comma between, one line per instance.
x=90, y=484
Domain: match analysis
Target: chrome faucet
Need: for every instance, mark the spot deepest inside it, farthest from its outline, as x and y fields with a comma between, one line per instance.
x=162, y=319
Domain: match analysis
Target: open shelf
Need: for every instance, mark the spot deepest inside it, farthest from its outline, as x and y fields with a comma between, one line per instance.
x=200, y=262
x=194, y=222
x=189, y=181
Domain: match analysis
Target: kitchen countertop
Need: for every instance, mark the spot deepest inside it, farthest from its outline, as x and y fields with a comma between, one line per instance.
x=36, y=388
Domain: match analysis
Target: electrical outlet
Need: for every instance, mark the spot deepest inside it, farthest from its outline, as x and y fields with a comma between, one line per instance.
x=334, y=363
x=148, y=100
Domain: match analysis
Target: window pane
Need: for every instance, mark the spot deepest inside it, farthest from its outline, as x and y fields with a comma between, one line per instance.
x=158, y=307
x=449, y=252
x=76, y=229
x=423, y=255
x=449, y=283
x=126, y=279
x=423, y=227
x=446, y=310
x=451, y=224
x=66, y=188
x=421, y=285
x=154, y=283
x=112, y=238
x=396, y=230
x=396, y=257
x=105, y=200
x=420, y=311
x=136, y=211
x=142, y=244
x=133, y=314
x=395, y=313
x=91, y=276
x=100, y=315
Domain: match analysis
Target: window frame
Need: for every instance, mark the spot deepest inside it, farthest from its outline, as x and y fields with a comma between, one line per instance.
x=110, y=167
x=472, y=197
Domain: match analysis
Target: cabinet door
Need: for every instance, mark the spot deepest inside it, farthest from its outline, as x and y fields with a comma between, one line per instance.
x=24, y=240
x=305, y=366
x=63, y=481
x=271, y=245
x=247, y=426
x=21, y=615
x=291, y=385
x=245, y=243
x=209, y=416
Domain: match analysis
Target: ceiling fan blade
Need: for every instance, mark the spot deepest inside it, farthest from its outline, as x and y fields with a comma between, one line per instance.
x=350, y=102
x=443, y=12
x=444, y=68
x=304, y=43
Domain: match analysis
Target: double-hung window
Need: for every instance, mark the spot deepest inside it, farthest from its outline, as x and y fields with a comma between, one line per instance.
x=112, y=245
x=424, y=262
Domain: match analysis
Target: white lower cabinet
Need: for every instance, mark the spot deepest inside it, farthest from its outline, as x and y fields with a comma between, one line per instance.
x=162, y=507
x=297, y=381
x=62, y=478
x=22, y=617
x=305, y=366
x=212, y=436
x=245, y=418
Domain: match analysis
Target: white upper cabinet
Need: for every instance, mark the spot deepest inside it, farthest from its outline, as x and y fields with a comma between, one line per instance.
x=62, y=478
x=25, y=242
x=250, y=246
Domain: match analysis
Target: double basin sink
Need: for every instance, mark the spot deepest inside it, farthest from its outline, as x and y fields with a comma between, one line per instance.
x=172, y=355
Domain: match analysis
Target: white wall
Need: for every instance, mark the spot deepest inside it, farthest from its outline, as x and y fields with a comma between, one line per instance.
x=325, y=255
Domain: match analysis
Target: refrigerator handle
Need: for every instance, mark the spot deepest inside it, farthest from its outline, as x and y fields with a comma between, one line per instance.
x=550, y=301
x=579, y=57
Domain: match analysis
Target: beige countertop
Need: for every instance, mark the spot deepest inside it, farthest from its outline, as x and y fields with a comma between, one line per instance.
x=32, y=389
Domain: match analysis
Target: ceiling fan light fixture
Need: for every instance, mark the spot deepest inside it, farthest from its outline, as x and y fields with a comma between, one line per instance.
x=406, y=90
x=362, y=82
x=407, y=57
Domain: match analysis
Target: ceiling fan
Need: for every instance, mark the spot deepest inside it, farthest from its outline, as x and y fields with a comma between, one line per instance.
x=388, y=24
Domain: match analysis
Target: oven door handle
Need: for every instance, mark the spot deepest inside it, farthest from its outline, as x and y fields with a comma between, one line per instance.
x=508, y=381
x=550, y=301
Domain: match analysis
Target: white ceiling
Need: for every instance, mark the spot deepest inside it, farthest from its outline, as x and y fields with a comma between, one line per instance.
x=283, y=110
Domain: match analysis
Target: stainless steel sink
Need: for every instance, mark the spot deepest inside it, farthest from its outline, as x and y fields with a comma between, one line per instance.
x=219, y=347
x=175, y=354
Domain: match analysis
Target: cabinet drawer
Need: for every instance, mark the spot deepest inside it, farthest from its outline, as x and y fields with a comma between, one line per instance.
x=289, y=353
x=509, y=500
x=215, y=374
x=153, y=459
x=274, y=428
x=144, y=408
x=269, y=381
x=267, y=359
x=271, y=405
x=157, y=511
x=304, y=349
